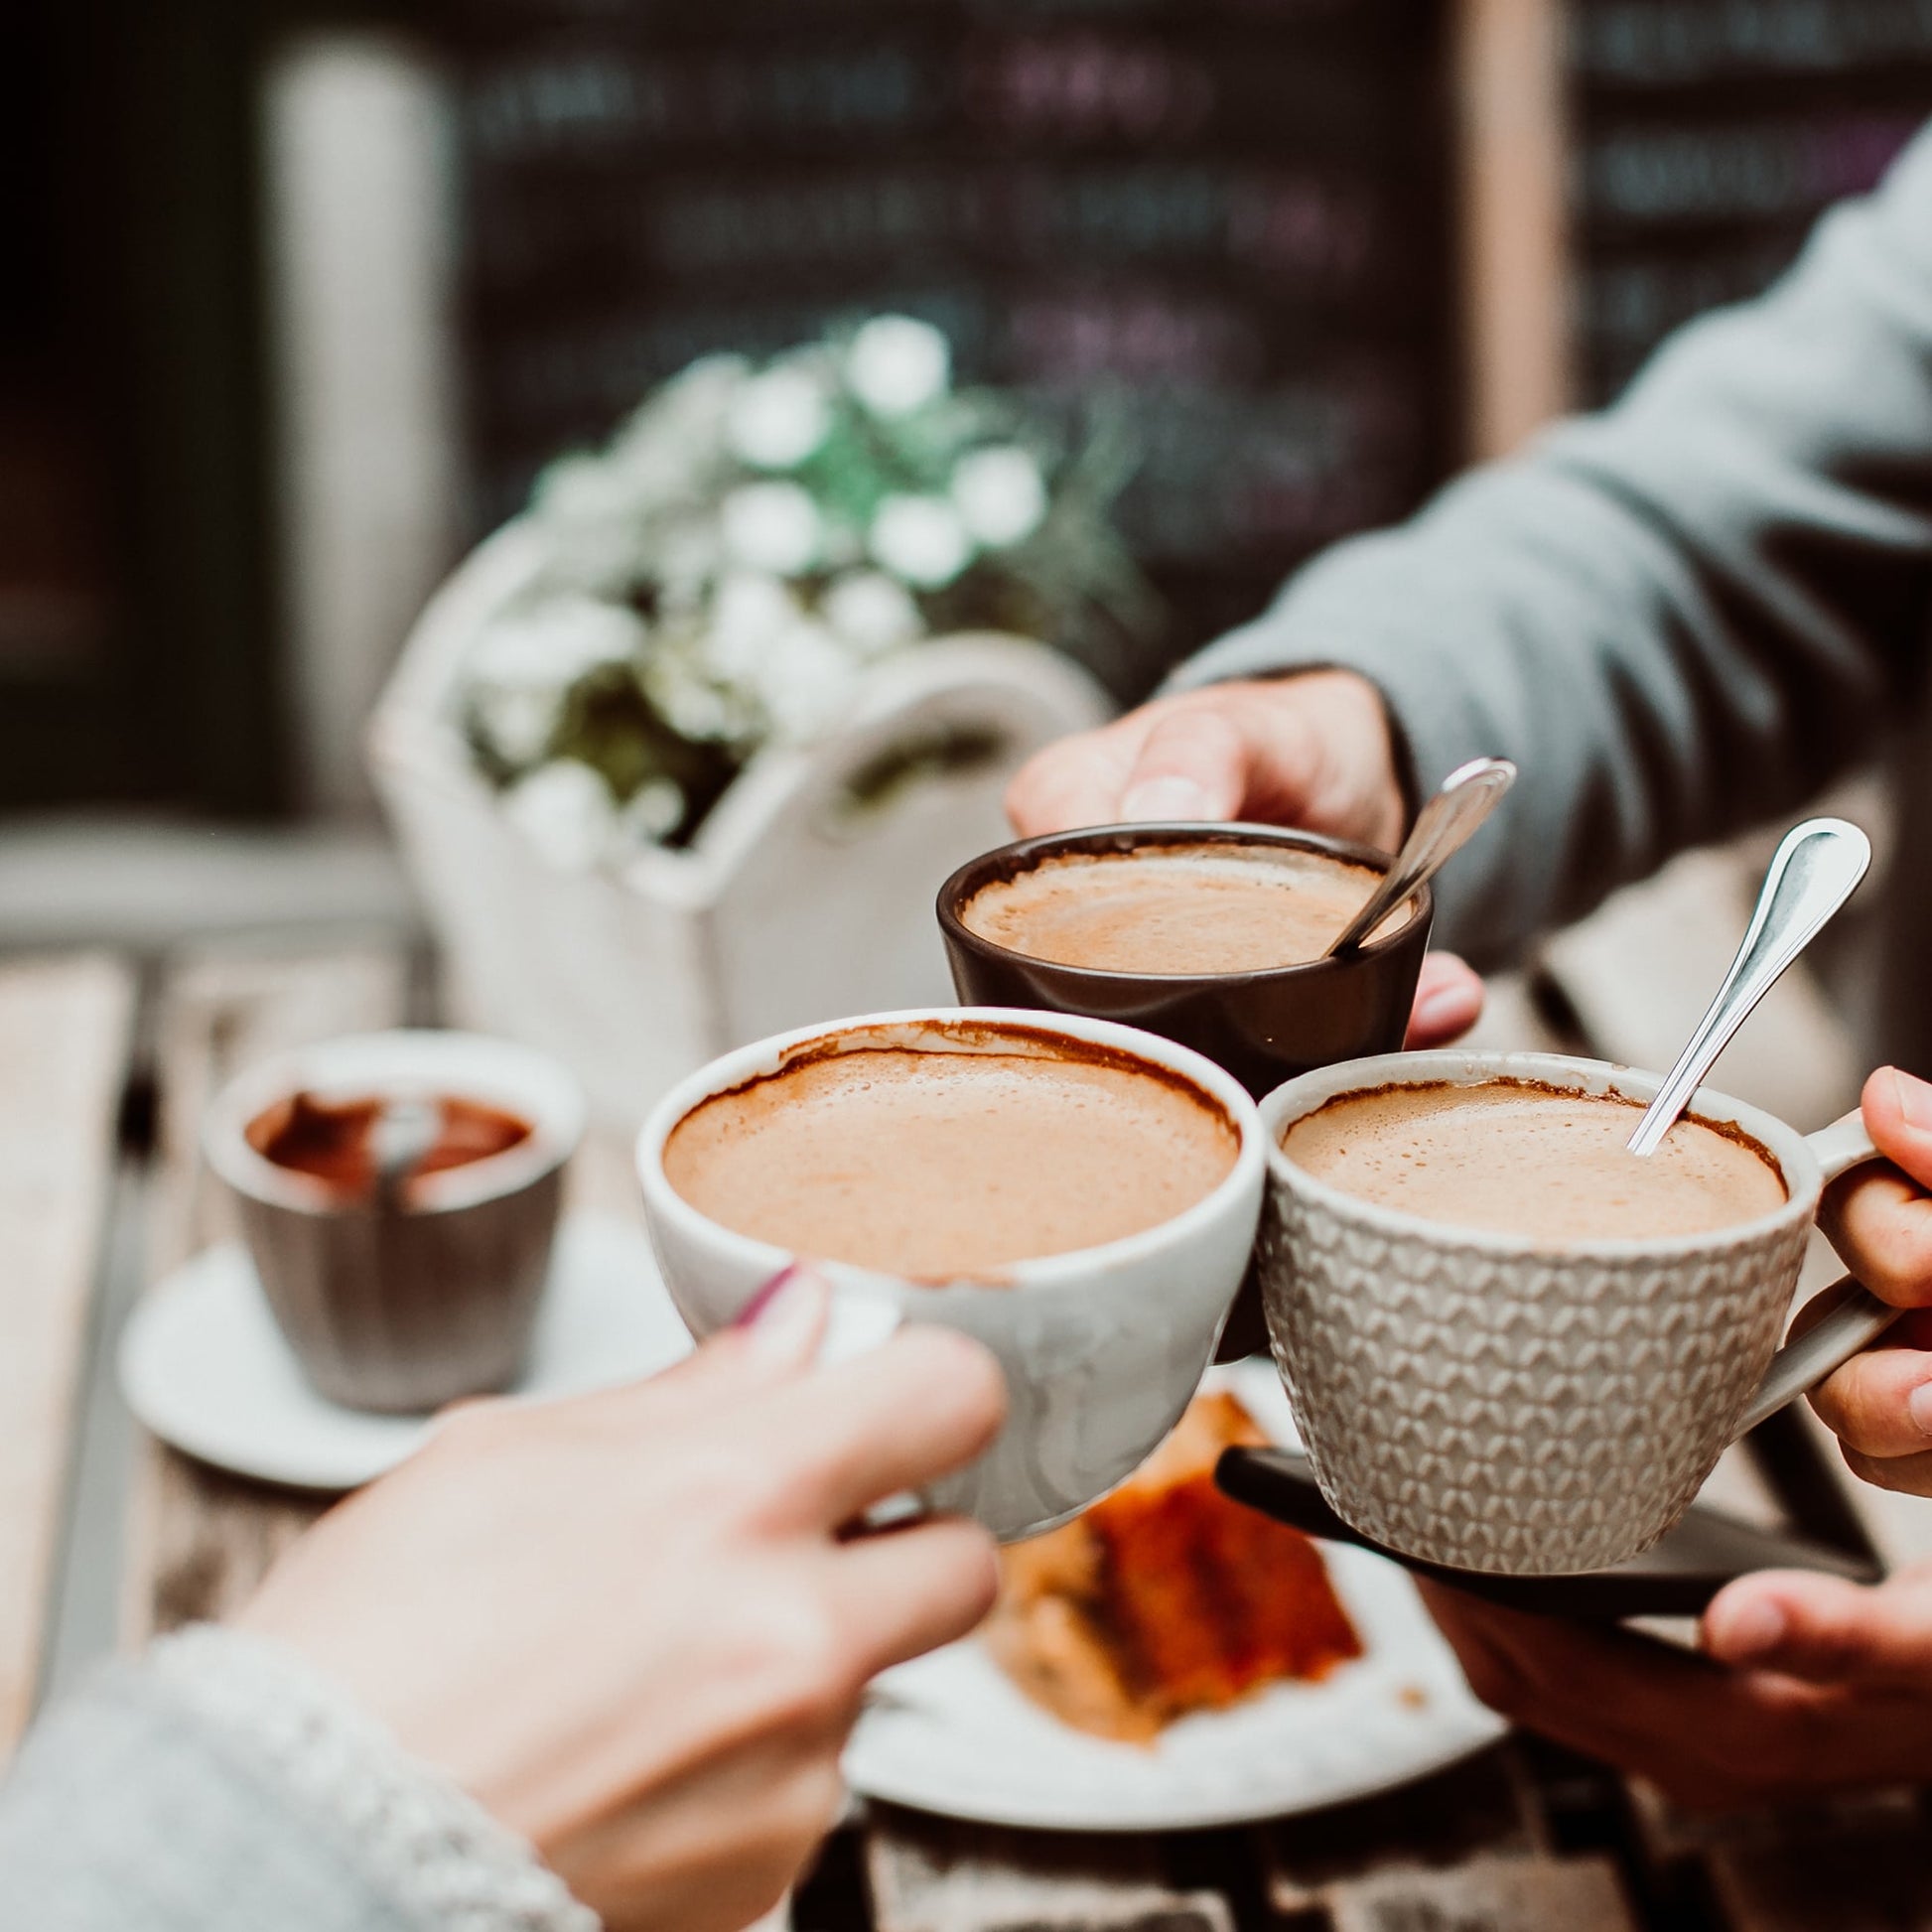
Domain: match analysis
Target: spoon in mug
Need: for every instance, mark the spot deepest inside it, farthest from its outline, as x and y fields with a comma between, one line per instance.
x=1812, y=874
x=400, y=1139
x=1467, y=796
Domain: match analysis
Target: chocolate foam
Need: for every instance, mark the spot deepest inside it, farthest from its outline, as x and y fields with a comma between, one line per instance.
x=1517, y=1156
x=951, y=1160
x=1174, y=911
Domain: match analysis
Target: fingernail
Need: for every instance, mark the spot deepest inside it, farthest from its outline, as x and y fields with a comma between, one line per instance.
x=1752, y=1629
x=785, y=1318
x=1166, y=798
x=1918, y=1405
x=1913, y=1098
x=1436, y=1008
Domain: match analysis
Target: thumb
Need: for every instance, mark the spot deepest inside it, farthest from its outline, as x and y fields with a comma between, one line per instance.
x=1193, y=765
x=1824, y=1629
x=1898, y=1116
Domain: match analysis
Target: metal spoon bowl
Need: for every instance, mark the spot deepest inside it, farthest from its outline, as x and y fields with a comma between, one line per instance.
x=1814, y=871
x=1467, y=796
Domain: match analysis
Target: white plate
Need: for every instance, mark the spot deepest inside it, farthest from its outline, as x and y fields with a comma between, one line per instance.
x=204, y=1365
x=950, y=1733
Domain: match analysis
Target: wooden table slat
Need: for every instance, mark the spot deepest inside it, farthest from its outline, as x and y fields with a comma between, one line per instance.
x=199, y=1539
x=65, y=1029
x=1486, y=1806
x=1847, y=1866
x=938, y=1875
x=1580, y=1894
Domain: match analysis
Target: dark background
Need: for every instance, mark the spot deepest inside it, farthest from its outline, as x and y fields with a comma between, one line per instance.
x=1233, y=217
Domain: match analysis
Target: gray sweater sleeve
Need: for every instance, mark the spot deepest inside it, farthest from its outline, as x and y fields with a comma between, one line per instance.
x=123, y=1815
x=220, y=1787
x=1680, y=616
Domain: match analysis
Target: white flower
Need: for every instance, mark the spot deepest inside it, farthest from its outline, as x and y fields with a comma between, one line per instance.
x=516, y=721
x=689, y=701
x=870, y=612
x=549, y=645
x=920, y=540
x=684, y=556
x=747, y=613
x=585, y=489
x=999, y=494
x=771, y=526
x=652, y=811
x=897, y=365
x=524, y=663
x=780, y=418
x=668, y=452
x=805, y=680
x=692, y=407
x=565, y=809
x=593, y=516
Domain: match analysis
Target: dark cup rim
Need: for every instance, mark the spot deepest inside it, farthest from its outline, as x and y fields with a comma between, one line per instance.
x=1024, y=855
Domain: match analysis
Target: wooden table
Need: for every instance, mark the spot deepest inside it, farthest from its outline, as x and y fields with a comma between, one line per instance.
x=105, y=1071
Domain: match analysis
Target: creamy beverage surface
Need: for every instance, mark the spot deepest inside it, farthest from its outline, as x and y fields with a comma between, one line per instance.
x=1173, y=909
x=935, y=1165
x=1520, y=1159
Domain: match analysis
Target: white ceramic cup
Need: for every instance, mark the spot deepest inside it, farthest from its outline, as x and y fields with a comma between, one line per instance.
x=1475, y=1400
x=1102, y=1348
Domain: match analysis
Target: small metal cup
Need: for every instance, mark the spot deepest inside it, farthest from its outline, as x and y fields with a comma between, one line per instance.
x=401, y=1309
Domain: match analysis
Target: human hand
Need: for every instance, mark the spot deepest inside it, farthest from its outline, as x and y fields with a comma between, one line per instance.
x=1805, y=1684
x=1313, y=750
x=628, y=1623
x=1879, y=1219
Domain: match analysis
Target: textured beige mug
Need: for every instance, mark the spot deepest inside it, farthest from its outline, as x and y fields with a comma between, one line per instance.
x=1472, y=1399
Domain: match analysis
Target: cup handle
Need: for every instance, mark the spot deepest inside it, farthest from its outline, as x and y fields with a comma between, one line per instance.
x=1857, y=1321
x=858, y=1322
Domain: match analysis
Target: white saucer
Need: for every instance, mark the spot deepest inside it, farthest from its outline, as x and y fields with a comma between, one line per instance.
x=951, y=1734
x=205, y=1368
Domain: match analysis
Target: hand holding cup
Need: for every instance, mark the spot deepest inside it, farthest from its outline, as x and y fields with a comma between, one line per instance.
x=1312, y=751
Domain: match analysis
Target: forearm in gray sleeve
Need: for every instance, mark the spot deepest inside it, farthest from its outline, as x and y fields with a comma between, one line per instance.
x=220, y=1785
x=121, y=1815
x=1680, y=616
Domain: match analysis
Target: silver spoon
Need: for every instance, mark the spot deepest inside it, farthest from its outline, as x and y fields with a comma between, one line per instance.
x=1812, y=874
x=399, y=1142
x=1467, y=796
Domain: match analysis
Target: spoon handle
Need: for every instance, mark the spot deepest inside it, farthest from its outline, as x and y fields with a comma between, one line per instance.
x=1467, y=796
x=1812, y=874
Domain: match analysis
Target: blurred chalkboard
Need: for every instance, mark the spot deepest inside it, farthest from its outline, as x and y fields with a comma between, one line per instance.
x=1232, y=213
x=1710, y=136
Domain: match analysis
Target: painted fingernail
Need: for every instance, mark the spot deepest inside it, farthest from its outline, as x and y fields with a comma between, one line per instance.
x=785, y=1318
x=1165, y=798
x=1918, y=1405
x=1752, y=1629
x=1913, y=1098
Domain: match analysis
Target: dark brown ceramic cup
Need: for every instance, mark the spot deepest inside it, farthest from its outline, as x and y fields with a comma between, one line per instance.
x=1263, y=1026
x=402, y=1308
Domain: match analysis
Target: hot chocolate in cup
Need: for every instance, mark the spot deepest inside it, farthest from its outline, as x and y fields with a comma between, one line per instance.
x=401, y=1305
x=1210, y=935
x=1078, y=1196
x=1511, y=1346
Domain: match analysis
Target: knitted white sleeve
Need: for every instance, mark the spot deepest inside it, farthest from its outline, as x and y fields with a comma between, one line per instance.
x=417, y=1834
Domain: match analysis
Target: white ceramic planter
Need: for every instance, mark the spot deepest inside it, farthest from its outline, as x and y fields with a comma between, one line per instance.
x=790, y=905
